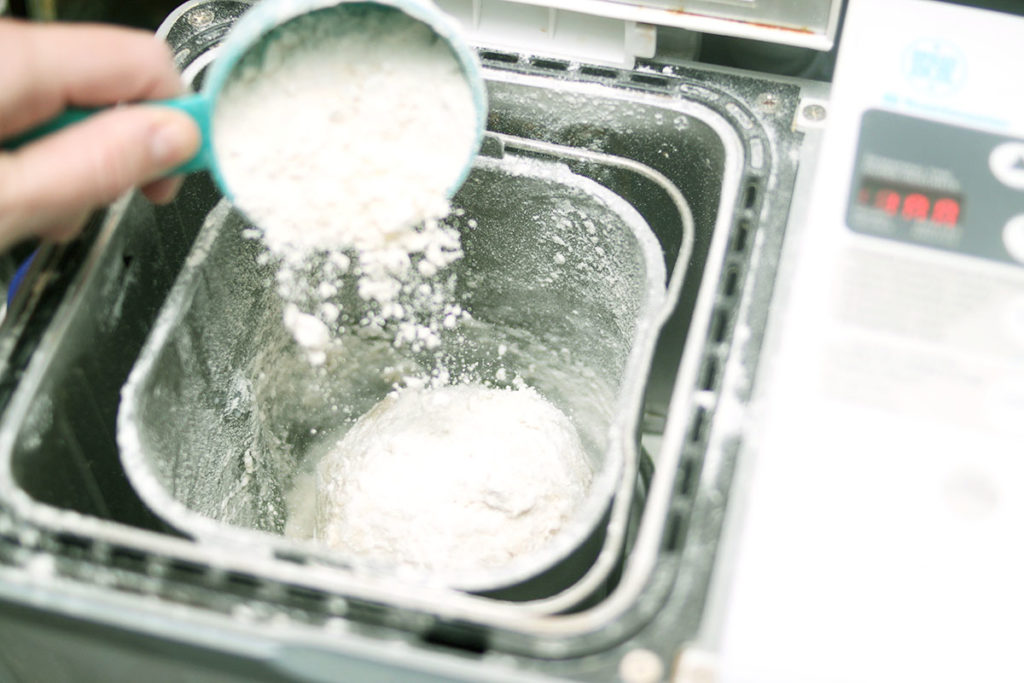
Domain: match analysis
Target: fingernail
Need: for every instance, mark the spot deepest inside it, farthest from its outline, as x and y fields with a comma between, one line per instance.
x=174, y=141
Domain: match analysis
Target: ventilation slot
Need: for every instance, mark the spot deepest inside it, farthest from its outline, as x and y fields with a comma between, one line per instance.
x=741, y=236
x=687, y=480
x=750, y=196
x=306, y=599
x=674, y=528
x=368, y=612
x=731, y=283
x=709, y=375
x=293, y=557
x=719, y=326
x=598, y=72
x=242, y=584
x=462, y=636
x=503, y=57
x=697, y=428
x=550, y=64
x=128, y=559
x=186, y=572
x=649, y=80
x=73, y=546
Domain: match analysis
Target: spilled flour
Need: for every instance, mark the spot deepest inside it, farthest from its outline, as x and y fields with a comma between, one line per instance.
x=447, y=479
x=340, y=138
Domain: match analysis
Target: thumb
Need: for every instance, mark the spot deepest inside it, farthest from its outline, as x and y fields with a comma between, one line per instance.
x=48, y=183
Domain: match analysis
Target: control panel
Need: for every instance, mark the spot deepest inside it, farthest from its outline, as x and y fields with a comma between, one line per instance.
x=939, y=185
x=874, y=535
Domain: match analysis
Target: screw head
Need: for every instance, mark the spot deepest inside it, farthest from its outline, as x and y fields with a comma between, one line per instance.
x=814, y=112
x=641, y=666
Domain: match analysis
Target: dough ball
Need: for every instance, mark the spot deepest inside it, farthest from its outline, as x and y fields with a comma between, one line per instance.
x=453, y=478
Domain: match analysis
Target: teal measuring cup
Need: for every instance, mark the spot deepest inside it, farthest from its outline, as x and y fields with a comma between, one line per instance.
x=247, y=34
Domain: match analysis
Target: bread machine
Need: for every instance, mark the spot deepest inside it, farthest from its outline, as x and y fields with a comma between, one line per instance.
x=827, y=481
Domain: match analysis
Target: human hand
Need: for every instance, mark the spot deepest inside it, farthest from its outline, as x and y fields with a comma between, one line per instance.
x=49, y=187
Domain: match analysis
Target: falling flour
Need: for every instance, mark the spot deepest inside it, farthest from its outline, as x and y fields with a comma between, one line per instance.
x=343, y=135
x=448, y=479
x=341, y=139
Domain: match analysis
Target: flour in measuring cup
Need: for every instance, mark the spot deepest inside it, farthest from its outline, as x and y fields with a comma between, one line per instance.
x=447, y=479
x=342, y=137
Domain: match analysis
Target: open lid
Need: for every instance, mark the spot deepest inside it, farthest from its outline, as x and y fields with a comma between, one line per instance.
x=617, y=31
x=613, y=32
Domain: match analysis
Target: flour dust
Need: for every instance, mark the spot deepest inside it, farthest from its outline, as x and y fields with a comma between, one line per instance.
x=340, y=139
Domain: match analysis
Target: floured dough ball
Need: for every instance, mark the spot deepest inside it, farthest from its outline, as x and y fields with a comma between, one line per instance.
x=453, y=478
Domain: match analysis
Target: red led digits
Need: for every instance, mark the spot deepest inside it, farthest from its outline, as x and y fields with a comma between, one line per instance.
x=888, y=201
x=946, y=211
x=911, y=204
x=916, y=207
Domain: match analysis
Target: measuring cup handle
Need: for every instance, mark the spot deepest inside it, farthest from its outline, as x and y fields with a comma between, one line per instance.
x=196, y=106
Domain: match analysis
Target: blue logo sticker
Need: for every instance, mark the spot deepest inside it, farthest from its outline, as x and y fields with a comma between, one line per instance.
x=935, y=66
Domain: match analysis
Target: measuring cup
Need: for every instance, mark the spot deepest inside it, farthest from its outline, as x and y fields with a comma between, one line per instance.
x=248, y=33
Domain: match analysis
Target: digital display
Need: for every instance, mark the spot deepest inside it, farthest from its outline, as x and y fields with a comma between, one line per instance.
x=937, y=185
x=911, y=204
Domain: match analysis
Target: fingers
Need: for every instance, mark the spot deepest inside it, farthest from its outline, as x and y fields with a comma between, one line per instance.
x=164, y=190
x=64, y=228
x=49, y=187
x=48, y=184
x=49, y=67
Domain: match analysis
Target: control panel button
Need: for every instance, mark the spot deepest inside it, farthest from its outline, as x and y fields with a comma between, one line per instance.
x=1007, y=164
x=1013, y=237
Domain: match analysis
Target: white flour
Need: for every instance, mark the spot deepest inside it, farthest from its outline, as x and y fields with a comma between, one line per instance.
x=341, y=141
x=345, y=133
x=447, y=479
